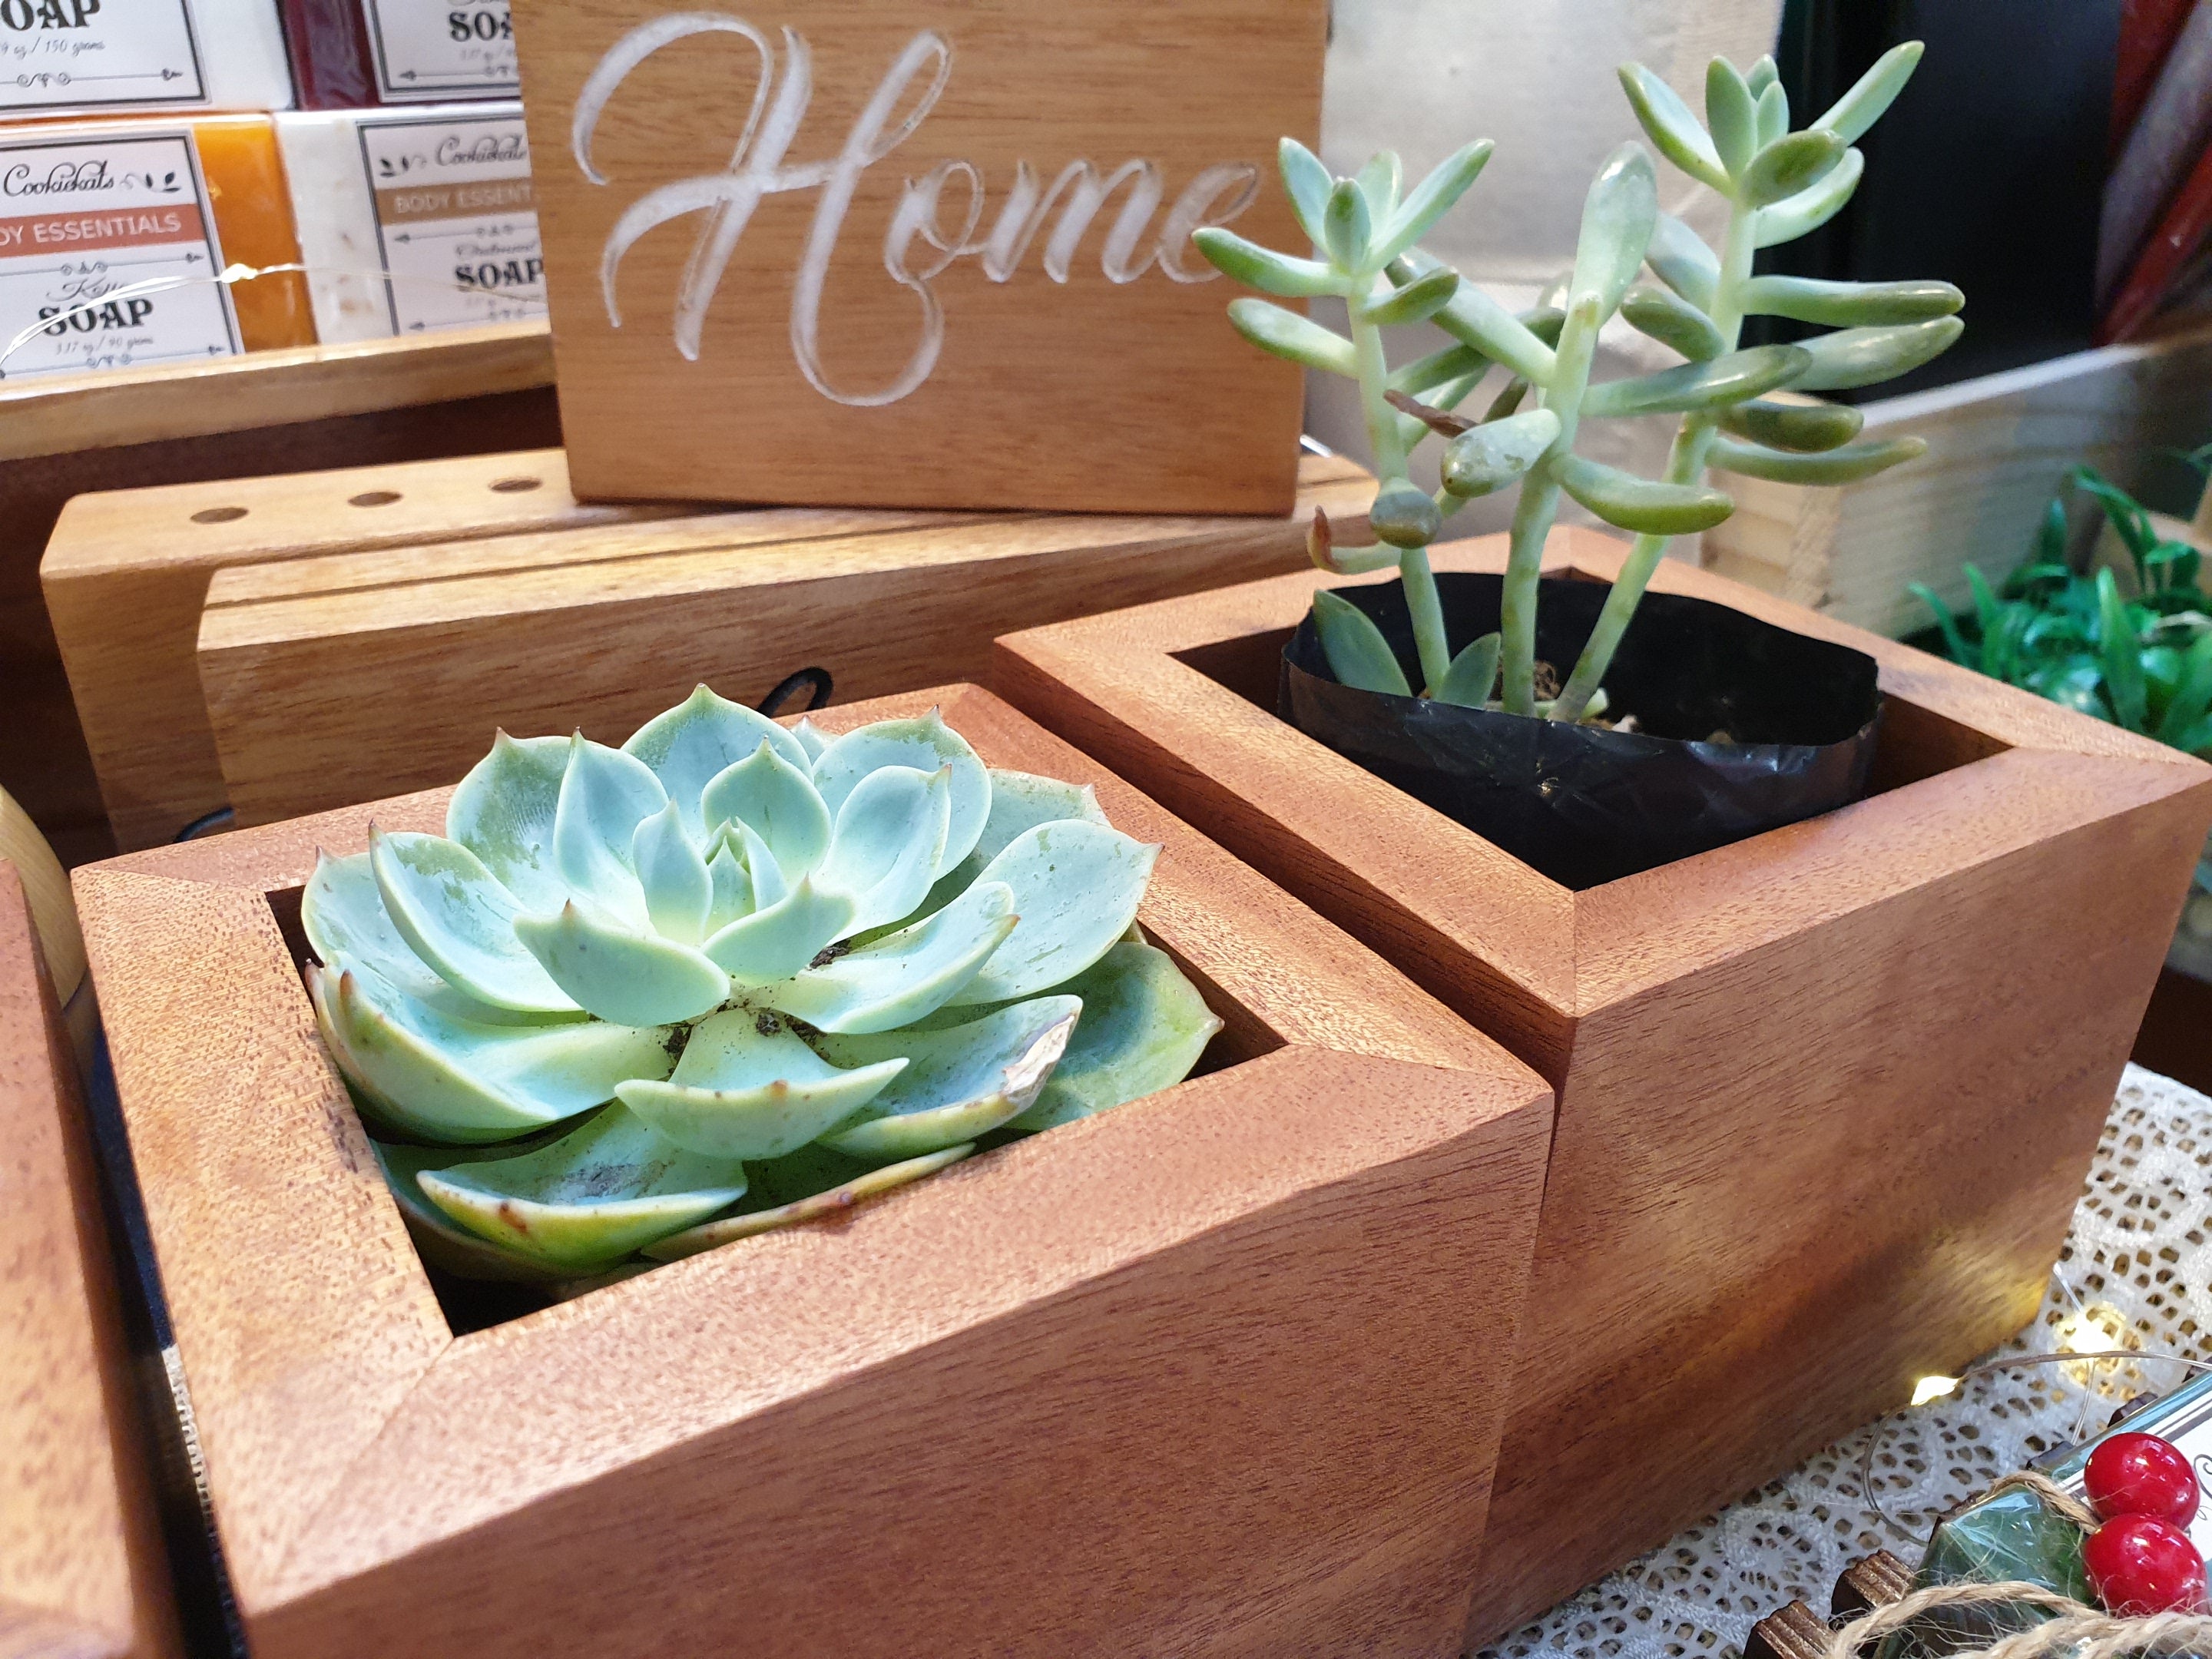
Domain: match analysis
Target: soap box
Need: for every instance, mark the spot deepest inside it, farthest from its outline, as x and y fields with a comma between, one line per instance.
x=411, y=220
x=90, y=216
x=113, y=56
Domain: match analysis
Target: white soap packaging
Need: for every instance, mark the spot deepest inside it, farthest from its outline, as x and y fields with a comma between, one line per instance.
x=414, y=219
x=124, y=57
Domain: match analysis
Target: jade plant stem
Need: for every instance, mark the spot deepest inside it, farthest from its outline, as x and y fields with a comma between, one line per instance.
x=1382, y=433
x=1539, y=506
x=1686, y=465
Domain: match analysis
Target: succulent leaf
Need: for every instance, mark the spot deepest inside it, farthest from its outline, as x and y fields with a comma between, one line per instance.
x=838, y=1184
x=1868, y=356
x=694, y=743
x=1307, y=183
x=1346, y=224
x=1473, y=673
x=502, y=811
x=1296, y=339
x=1648, y=507
x=1713, y=384
x=1801, y=426
x=1432, y=199
x=620, y=973
x=1479, y=322
x=1404, y=514
x=444, y=1078
x=1870, y=97
x=1418, y=301
x=1379, y=181
x=889, y=841
x=1496, y=452
x=1731, y=115
x=1076, y=887
x=1773, y=111
x=1450, y=363
x=679, y=891
x=1845, y=465
x=811, y=737
x=1808, y=300
x=1279, y=274
x=1358, y=653
x=896, y=980
x=1679, y=258
x=778, y=939
x=960, y=1081
x=1675, y=323
x=748, y=1087
x=344, y=915
x=1619, y=215
x=460, y=921
x=1021, y=801
x=731, y=888
x=1794, y=162
x=925, y=744
x=440, y=1243
x=589, y=1199
x=1144, y=1026
x=1671, y=127
x=1761, y=75
x=778, y=800
x=1810, y=209
x=605, y=795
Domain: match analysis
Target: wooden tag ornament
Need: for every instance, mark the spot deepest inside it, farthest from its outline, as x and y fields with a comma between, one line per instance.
x=900, y=253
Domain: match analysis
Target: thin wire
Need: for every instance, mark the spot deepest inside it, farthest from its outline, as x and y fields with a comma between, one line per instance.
x=1876, y=1440
x=229, y=276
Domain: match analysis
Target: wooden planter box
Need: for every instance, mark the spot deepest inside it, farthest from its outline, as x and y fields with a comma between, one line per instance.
x=1219, y=1371
x=1825, y=1097
x=455, y=391
x=349, y=599
x=82, y=1571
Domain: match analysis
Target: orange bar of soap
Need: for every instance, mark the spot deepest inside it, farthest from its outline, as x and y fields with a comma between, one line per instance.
x=253, y=220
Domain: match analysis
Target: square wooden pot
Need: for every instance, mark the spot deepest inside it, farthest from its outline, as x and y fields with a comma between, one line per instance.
x=83, y=1574
x=1825, y=1097
x=1218, y=1371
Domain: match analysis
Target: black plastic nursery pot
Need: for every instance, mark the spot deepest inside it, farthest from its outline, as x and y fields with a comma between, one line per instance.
x=1740, y=727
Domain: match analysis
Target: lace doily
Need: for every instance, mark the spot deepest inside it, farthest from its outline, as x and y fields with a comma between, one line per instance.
x=2137, y=1271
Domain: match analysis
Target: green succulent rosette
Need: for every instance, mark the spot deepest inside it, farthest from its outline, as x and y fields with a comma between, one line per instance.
x=639, y=1001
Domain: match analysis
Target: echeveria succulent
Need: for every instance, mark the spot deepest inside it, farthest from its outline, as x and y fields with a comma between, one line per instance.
x=1778, y=186
x=725, y=975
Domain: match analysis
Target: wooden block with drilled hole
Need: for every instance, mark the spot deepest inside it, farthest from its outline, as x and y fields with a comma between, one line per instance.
x=1794, y=1632
x=127, y=573
x=948, y=262
x=82, y=1571
x=348, y=677
x=1950, y=970
x=1216, y=1372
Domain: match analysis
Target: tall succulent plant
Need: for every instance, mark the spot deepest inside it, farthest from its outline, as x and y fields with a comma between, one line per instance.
x=727, y=975
x=1779, y=185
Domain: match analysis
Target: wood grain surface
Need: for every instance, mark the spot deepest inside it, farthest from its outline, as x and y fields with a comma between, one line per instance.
x=1084, y=364
x=1218, y=1372
x=1825, y=1097
x=348, y=676
x=1999, y=446
x=81, y=1572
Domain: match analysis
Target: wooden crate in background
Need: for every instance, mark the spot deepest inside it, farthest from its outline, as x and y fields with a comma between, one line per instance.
x=1998, y=448
x=460, y=391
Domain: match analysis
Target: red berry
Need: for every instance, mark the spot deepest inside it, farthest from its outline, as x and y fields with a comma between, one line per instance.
x=2142, y=1475
x=2140, y=1566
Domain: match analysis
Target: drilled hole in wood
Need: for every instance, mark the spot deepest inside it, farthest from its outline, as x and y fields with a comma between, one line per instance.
x=373, y=498
x=516, y=486
x=218, y=514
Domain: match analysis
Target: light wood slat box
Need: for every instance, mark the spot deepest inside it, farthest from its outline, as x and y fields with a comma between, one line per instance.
x=384, y=401
x=1999, y=445
x=345, y=677
x=1216, y=1372
x=83, y=1574
x=1826, y=1097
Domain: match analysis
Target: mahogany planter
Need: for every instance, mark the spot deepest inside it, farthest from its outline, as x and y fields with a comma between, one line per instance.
x=1220, y=1371
x=82, y=1571
x=1826, y=1095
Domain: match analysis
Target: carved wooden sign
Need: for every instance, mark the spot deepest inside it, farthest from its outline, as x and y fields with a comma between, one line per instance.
x=916, y=252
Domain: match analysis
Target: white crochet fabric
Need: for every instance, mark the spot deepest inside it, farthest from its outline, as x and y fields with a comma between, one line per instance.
x=2137, y=1265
